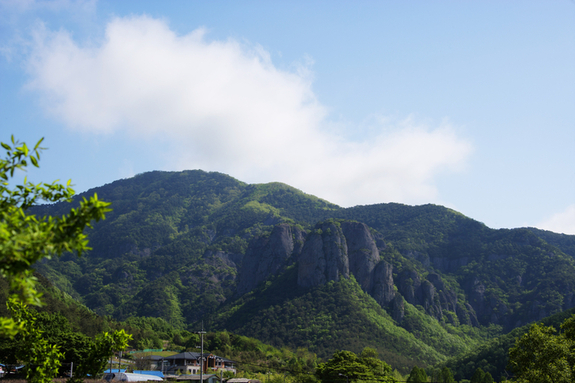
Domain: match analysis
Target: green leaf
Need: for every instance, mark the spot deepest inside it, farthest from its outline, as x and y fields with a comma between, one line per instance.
x=38, y=143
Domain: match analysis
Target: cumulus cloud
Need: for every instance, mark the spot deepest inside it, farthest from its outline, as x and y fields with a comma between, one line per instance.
x=17, y=17
x=562, y=222
x=226, y=107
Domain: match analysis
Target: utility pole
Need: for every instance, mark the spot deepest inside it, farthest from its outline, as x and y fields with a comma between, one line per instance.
x=202, y=354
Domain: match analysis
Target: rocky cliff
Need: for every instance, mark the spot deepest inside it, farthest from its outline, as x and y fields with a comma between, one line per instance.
x=266, y=256
x=338, y=249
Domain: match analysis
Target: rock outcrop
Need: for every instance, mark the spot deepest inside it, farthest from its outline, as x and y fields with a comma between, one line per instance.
x=383, y=289
x=433, y=295
x=324, y=256
x=362, y=252
x=337, y=249
x=266, y=256
x=398, y=308
x=408, y=283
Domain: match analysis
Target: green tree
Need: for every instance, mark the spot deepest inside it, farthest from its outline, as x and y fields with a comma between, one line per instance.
x=381, y=371
x=417, y=375
x=446, y=376
x=56, y=330
x=346, y=365
x=25, y=238
x=41, y=358
x=103, y=347
x=478, y=376
x=44, y=335
x=543, y=354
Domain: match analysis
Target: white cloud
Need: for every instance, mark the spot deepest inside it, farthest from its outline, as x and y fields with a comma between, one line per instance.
x=18, y=17
x=562, y=222
x=226, y=107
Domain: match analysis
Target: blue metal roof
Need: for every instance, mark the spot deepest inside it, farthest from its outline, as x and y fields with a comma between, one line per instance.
x=148, y=372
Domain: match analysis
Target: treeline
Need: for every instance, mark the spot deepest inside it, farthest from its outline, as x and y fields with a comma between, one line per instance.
x=493, y=356
x=254, y=356
x=72, y=326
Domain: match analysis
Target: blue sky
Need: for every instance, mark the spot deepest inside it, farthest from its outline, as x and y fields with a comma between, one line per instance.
x=467, y=104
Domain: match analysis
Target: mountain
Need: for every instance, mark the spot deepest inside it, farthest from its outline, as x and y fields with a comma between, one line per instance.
x=418, y=283
x=61, y=311
x=493, y=356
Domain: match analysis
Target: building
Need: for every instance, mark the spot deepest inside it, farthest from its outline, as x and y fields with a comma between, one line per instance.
x=149, y=362
x=188, y=363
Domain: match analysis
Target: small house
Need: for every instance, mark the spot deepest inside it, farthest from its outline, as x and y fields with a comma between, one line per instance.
x=188, y=363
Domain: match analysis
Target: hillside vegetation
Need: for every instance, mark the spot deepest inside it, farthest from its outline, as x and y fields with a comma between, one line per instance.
x=419, y=284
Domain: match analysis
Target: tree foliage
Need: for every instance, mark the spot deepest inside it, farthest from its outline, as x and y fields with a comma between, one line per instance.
x=544, y=354
x=446, y=376
x=47, y=340
x=348, y=366
x=25, y=238
x=41, y=358
x=480, y=376
x=417, y=375
x=103, y=347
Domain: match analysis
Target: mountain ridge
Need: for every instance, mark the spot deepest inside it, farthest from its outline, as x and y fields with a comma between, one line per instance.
x=187, y=246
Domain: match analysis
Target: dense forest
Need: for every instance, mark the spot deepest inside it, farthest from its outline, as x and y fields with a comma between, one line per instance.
x=419, y=284
x=69, y=325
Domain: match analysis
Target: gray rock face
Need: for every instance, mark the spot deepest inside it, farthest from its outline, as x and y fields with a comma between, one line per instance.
x=266, y=256
x=487, y=307
x=382, y=289
x=217, y=258
x=362, y=252
x=434, y=296
x=466, y=315
x=477, y=296
x=336, y=250
x=447, y=298
x=324, y=256
x=421, y=257
x=408, y=284
x=426, y=295
x=398, y=309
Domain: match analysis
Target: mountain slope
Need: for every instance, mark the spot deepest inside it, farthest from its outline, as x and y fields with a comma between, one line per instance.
x=191, y=246
x=338, y=315
x=493, y=356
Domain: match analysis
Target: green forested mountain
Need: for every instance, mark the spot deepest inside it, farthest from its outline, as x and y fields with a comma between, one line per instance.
x=70, y=325
x=417, y=283
x=493, y=355
x=65, y=314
